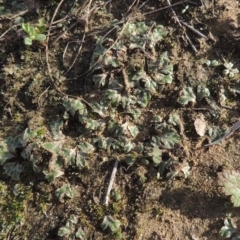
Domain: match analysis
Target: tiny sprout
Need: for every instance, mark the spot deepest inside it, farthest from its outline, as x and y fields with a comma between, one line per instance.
x=228, y=229
x=213, y=63
x=229, y=71
x=34, y=32
x=185, y=9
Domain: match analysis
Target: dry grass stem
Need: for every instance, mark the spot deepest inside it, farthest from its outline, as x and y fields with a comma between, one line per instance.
x=195, y=31
x=110, y=185
x=180, y=25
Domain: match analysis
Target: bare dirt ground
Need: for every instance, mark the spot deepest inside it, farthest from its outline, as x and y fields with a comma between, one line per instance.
x=91, y=95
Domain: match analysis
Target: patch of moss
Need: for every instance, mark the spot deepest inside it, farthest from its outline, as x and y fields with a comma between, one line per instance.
x=118, y=207
x=43, y=201
x=97, y=213
x=18, y=118
x=13, y=206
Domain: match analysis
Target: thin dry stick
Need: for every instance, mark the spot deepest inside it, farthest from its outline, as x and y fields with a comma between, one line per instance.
x=195, y=31
x=85, y=31
x=143, y=4
x=144, y=45
x=6, y=32
x=47, y=57
x=41, y=95
x=19, y=14
x=14, y=16
x=120, y=34
x=131, y=6
x=84, y=35
x=114, y=171
x=232, y=130
x=124, y=21
x=62, y=33
x=126, y=81
x=160, y=9
x=79, y=50
x=65, y=49
x=48, y=64
x=184, y=138
x=180, y=25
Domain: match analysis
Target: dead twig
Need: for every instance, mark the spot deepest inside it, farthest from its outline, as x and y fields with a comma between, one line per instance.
x=47, y=52
x=84, y=34
x=132, y=5
x=143, y=4
x=20, y=106
x=14, y=16
x=125, y=81
x=184, y=138
x=63, y=33
x=163, y=8
x=195, y=31
x=6, y=32
x=232, y=130
x=180, y=25
x=41, y=95
x=85, y=18
x=65, y=49
x=48, y=64
x=67, y=17
x=114, y=171
x=19, y=14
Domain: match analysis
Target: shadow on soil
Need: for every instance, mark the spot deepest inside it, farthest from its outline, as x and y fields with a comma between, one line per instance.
x=194, y=204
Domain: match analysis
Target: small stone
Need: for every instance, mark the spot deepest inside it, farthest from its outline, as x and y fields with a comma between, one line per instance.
x=200, y=125
x=232, y=23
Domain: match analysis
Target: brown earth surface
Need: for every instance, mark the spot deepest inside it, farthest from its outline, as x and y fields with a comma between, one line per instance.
x=37, y=79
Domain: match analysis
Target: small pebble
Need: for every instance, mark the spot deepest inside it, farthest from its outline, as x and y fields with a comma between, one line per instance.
x=233, y=24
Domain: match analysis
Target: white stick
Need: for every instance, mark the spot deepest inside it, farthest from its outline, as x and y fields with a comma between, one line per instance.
x=111, y=183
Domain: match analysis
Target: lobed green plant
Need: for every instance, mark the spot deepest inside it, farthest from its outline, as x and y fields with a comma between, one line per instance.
x=16, y=154
x=229, y=229
x=70, y=230
x=229, y=181
x=160, y=70
x=187, y=96
x=229, y=70
x=13, y=150
x=64, y=190
x=113, y=224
